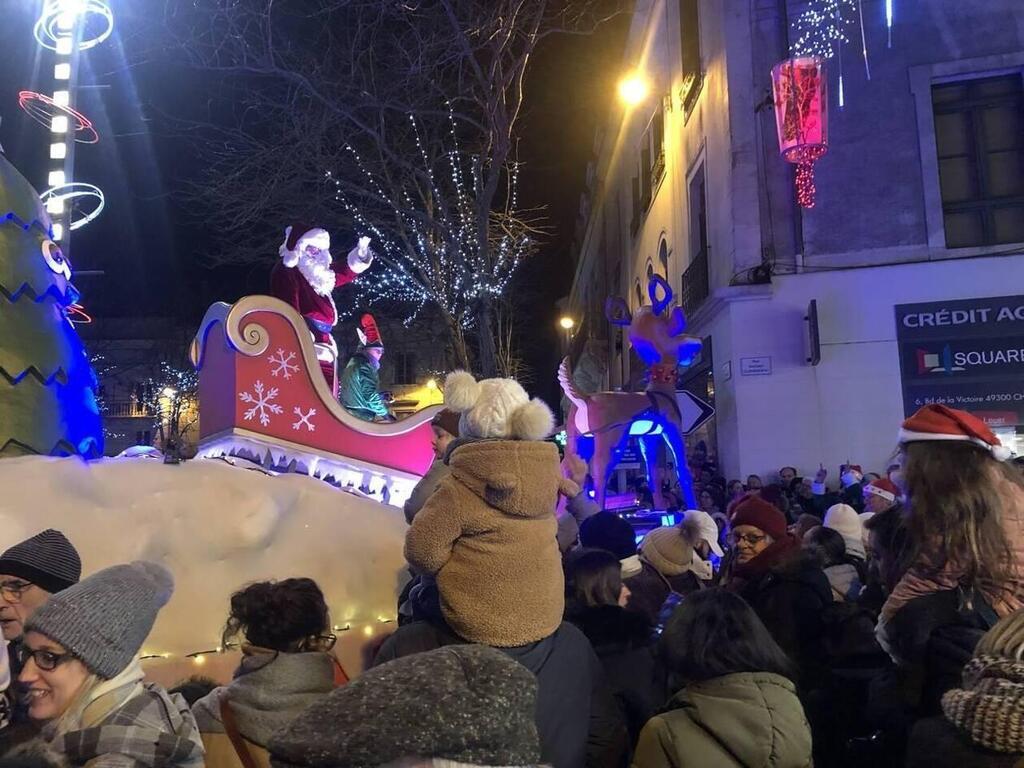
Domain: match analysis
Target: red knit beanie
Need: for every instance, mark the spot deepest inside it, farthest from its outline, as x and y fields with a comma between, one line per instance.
x=755, y=511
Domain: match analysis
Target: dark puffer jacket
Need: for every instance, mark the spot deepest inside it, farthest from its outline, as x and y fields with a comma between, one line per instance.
x=936, y=743
x=649, y=589
x=622, y=641
x=790, y=598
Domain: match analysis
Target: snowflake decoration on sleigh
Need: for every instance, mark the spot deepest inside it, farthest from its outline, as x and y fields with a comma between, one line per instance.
x=262, y=403
x=283, y=363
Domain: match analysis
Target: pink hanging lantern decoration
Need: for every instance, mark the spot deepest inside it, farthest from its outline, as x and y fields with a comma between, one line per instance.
x=800, y=89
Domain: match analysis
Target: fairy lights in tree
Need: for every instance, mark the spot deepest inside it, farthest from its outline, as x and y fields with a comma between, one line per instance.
x=435, y=240
x=823, y=28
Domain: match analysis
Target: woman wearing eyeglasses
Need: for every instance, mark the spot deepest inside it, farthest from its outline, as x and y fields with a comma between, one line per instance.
x=83, y=679
x=284, y=629
x=785, y=586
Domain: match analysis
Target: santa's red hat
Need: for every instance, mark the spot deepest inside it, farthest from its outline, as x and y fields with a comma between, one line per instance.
x=938, y=422
x=883, y=487
x=297, y=237
x=369, y=333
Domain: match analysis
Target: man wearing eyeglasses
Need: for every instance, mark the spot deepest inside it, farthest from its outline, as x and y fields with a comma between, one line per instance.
x=29, y=573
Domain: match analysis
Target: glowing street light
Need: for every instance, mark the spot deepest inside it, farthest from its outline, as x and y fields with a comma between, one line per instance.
x=567, y=323
x=633, y=89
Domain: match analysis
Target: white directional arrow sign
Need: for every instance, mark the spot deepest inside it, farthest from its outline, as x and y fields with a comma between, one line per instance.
x=694, y=411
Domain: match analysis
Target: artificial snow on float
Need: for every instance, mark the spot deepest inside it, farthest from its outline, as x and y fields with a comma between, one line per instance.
x=217, y=527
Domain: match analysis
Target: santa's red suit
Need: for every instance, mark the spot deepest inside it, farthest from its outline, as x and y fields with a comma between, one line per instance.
x=305, y=278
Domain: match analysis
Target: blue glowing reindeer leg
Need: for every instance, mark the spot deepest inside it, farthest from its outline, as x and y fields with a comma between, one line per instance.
x=649, y=449
x=678, y=448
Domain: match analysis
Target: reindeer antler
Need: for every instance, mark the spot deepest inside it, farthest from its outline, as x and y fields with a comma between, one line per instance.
x=617, y=311
x=656, y=282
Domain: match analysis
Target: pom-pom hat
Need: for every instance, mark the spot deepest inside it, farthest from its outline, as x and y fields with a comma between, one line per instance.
x=369, y=333
x=940, y=423
x=496, y=408
x=104, y=619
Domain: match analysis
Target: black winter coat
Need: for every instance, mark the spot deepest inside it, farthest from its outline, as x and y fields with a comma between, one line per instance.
x=790, y=599
x=648, y=590
x=623, y=642
x=936, y=743
x=578, y=721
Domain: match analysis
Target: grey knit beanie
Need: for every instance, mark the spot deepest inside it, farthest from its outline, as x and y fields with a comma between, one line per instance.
x=104, y=620
x=47, y=559
x=466, y=703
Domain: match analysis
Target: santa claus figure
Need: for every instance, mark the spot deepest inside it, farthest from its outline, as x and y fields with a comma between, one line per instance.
x=305, y=277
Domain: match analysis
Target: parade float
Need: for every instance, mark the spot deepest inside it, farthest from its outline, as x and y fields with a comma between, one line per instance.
x=662, y=414
x=287, y=483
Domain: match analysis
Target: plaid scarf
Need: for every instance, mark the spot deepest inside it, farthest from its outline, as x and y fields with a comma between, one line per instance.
x=990, y=706
x=152, y=728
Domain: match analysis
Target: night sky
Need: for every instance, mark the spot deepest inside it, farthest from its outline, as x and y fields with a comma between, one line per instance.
x=150, y=247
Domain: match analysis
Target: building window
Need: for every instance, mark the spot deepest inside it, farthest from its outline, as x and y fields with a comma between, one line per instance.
x=695, y=284
x=979, y=134
x=634, y=222
x=693, y=76
x=663, y=257
x=405, y=368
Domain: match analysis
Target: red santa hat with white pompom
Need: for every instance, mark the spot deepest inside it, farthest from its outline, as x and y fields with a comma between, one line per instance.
x=297, y=237
x=938, y=422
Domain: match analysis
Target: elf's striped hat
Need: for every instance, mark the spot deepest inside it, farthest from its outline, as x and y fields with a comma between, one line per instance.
x=369, y=333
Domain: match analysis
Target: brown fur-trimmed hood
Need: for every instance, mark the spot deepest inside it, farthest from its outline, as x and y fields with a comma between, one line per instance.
x=518, y=477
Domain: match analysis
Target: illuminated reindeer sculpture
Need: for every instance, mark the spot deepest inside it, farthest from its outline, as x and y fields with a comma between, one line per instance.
x=659, y=413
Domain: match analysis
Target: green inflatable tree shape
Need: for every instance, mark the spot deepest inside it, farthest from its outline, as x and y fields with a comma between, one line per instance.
x=47, y=387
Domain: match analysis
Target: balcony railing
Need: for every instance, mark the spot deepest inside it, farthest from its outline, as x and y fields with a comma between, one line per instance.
x=125, y=409
x=695, y=289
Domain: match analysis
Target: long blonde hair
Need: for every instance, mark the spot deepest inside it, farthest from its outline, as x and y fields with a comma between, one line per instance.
x=956, y=512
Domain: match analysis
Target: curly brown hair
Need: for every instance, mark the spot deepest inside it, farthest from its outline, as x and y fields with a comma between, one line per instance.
x=955, y=496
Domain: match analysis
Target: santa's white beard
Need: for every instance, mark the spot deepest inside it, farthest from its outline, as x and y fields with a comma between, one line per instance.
x=317, y=271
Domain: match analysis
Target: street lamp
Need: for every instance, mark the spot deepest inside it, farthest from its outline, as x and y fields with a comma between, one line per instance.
x=567, y=322
x=633, y=89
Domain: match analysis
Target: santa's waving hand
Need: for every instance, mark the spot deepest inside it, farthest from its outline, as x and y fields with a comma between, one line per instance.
x=305, y=278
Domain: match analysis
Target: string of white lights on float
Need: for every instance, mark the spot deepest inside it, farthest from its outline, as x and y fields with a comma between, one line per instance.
x=199, y=658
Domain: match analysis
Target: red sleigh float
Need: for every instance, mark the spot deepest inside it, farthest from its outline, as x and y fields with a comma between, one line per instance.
x=262, y=395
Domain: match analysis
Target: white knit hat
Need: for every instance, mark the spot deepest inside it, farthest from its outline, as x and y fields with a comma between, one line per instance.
x=843, y=519
x=496, y=408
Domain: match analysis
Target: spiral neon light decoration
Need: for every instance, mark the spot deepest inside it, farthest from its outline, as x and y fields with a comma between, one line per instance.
x=69, y=193
x=43, y=109
x=60, y=16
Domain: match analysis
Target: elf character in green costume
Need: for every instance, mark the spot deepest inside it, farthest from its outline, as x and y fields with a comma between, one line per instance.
x=359, y=390
x=47, y=387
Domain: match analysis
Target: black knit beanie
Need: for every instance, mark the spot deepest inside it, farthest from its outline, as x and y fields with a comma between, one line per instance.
x=47, y=560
